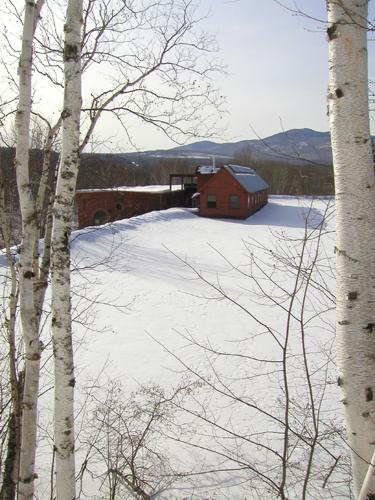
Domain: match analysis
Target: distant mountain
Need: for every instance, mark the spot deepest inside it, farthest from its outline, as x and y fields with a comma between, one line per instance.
x=294, y=146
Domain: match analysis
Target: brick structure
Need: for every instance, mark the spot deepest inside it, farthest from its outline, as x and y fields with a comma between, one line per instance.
x=95, y=207
x=230, y=191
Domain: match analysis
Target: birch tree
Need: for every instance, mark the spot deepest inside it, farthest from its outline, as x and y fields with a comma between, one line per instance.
x=172, y=64
x=28, y=304
x=62, y=216
x=355, y=226
x=14, y=379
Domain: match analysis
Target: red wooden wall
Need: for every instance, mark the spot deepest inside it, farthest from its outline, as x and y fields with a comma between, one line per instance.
x=223, y=185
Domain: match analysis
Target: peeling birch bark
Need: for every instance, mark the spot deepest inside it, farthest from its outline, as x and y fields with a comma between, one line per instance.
x=11, y=465
x=46, y=193
x=355, y=228
x=30, y=326
x=62, y=216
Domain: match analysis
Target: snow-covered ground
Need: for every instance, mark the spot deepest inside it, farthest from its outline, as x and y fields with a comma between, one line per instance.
x=140, y=270
x=176, y=292
x=157, y=188
x=204, y=309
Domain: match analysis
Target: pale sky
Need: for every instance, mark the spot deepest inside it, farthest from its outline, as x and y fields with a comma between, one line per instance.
x=276, y=65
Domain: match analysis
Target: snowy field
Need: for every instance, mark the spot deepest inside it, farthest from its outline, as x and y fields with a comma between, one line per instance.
x=138, y=270
x=213, y=340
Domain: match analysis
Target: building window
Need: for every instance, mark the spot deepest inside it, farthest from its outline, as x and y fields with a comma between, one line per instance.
x=211, y=201
x=100, y=218
x=234, y=201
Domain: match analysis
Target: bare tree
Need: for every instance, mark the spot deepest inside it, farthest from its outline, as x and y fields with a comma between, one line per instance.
x=124, y=440
x=12, y=379
x=272, y=422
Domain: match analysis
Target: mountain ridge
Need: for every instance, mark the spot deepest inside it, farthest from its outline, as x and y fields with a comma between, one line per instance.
x=295, y=145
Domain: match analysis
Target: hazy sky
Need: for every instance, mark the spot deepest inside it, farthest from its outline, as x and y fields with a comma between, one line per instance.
x=276, y=65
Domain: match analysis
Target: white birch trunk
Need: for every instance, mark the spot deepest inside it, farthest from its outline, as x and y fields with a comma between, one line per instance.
x=355, y=226
x=61, y=299
x=30, y=327
x=11, y=465
x=46, y=193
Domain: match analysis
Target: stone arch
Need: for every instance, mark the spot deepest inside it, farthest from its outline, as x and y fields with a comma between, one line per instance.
x=100, y=217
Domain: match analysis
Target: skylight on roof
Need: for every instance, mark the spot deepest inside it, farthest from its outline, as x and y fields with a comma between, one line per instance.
x=238, y=169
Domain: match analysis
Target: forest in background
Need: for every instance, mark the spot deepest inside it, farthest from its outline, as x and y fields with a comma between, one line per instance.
x=105, y=171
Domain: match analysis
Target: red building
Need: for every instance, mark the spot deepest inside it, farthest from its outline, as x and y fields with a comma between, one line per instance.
x=99, y=206
x=230, y=191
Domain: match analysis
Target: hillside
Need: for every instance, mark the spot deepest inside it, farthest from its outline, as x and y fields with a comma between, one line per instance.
x=294, y=146
x=192, y=314
x=200, y=347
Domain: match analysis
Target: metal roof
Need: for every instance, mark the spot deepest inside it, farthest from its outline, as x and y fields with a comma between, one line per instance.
x=247, y=177
x=207, y=169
